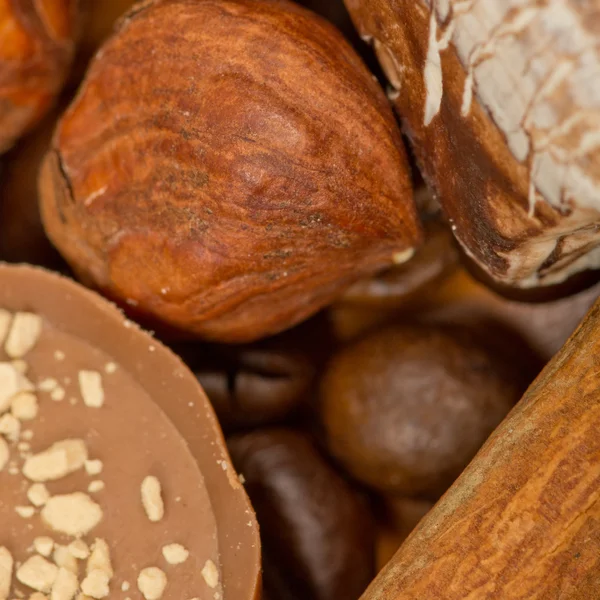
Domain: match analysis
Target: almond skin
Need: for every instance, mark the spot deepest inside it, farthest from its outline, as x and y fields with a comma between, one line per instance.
x=228, y=167
x=37, y=43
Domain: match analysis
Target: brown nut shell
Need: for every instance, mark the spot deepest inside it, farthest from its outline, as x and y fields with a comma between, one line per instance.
x=501, y=101
x=317, y=534
x=37, y=44
x=406, y=408
x=227, y=167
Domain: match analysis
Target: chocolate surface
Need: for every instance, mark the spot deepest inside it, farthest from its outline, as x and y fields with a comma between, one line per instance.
x=155, y=421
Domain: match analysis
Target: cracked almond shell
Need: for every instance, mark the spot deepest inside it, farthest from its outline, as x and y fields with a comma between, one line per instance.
x=502, y=103
x=227, y=168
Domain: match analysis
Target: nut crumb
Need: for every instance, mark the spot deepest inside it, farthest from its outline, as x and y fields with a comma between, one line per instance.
x=65, y=586
x=73, y=514
x=9, y=385
x=79, y=549
x=6, y=567
x=27, y=434
x=96, y=584
x=4, y=455
x=125, y=586
x=152, y=498
x=23, y=335
x=58, y=393
x=47, y=385
x=90, y=386
x=10, y=427
x=38, y=574
x=152, y=583
x=110, y=367
x=210, y=574
x=26, y=512
x=59, y=355
x=100, y=559
x=175, y=554
x=24, y=406
x=93, y=467
x=43, y=545
x=95, y=486
x=64, y=559
x=62, y=458
x=20, y=365
x=38, y=494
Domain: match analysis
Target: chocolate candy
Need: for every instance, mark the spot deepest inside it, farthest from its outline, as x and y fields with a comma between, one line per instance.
x=113, y=471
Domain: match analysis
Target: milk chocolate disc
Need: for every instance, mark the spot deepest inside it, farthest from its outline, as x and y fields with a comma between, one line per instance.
x=114, y=476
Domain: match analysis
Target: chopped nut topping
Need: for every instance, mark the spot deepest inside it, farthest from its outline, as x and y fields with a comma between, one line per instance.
x=110, y=367
x=43, y=545
x=9, y=385
x=25, y=511
x=152, y=498
x=4, y=456
x=100, y=558
x=73, y=514
x=64, y=559
x=79, y=549
x=90, y=386
x=20, y=365
x=6, y=567
x=38, y=574
x=10, y=427
x=5, y=319
x=93, y=467
x=65, y=586
x=59, y=355
x=175, y=554
x=95, y=486
x=24, y=406
x=57, y=461
x=96, y=584
x=210, y=574
x=58, y=393
x=125, y=586
x=47, y=385
x=23, y=335
x=38, y=494
x=152, y=583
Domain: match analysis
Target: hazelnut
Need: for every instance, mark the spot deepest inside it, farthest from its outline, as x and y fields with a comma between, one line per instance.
x=406, y=408
x=523, y=519
x=316, y=532
x=501, y=101
x=228, y=190
x=36, y=48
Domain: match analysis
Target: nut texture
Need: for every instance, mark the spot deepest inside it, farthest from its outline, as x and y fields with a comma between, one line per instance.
x=502, y=104
x=406, y=408
x=316, y=533
x=227, y=167
x=37, y=43
x=523, y=520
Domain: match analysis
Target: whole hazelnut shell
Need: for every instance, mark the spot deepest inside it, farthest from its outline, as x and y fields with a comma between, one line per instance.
x=406, y=408
x=317, y=533
x=37, y=44
x=227, y=167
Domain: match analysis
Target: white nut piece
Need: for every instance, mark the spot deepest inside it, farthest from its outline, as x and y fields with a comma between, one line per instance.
x=175, y=554
x=64, y=559
x=10, y=427
x=24, y=406
x=73, y=514
x=100, y=558
x=96, y=584
x=210, y=573
x=90, y=386
x=6, y=567
x=65, y=586
x=9, y=385
x=25, y=512
x=38, y=494
x=93, y=467
x=152, y=498
x=38, y=574
x=57, y=461
x=5, y=319
x=4, y=455
x=152, y=583
x=43, y=545
x=79, y=549
x=23, y=335
x=96, y=486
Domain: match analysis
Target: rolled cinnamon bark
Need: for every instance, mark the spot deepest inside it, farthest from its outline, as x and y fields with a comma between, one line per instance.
x=523, y=520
